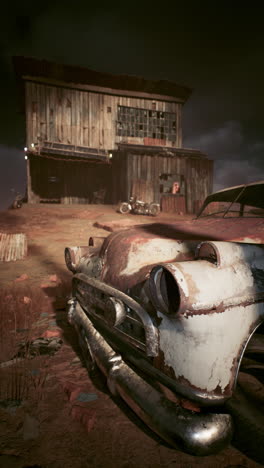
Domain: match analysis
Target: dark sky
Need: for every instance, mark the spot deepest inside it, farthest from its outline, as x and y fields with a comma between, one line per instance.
x=216, y=49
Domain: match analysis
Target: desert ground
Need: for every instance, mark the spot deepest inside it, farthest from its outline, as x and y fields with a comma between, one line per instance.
x=53, y=414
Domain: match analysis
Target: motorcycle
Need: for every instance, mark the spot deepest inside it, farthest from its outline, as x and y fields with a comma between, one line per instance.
x=139, y=207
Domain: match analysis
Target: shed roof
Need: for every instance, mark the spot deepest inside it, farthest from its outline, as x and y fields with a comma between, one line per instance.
x=162, y=151
x=31, y=67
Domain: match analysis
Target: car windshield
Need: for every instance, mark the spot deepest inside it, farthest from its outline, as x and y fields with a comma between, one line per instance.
x=243, y=201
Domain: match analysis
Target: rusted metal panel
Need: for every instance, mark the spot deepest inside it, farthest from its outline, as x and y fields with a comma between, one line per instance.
x=155, y=142
x=12, y=247
x=130, y=254
x=173, y=203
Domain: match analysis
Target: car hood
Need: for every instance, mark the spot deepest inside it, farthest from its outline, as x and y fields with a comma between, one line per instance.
x=129, y=255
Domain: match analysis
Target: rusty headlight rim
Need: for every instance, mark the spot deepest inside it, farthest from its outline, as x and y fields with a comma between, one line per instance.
x=164, y=291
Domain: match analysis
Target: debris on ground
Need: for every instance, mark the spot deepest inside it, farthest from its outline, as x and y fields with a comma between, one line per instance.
x=38, y=347
x=22, y=278
x=31, y=349
x=26, y=300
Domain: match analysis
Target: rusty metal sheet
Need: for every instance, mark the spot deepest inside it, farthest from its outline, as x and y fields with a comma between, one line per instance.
x=12, y=247
x=132, y=253
x=173, y=203
x=248, y=230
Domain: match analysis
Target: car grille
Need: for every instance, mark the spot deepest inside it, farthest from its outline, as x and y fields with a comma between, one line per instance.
x=137, y=327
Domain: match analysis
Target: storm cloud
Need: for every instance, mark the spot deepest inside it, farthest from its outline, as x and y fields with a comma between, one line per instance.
x=236, y=160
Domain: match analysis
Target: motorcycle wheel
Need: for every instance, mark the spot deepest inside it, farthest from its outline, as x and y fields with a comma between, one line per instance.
x=154, y=209
x=123, y=208
x=146, y=209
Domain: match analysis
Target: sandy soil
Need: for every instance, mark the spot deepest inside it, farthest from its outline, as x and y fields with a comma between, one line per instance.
x=52, y=413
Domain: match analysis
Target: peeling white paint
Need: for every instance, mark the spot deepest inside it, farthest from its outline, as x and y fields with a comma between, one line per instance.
x=229, y=253
x=207, y=286
x=202, y=348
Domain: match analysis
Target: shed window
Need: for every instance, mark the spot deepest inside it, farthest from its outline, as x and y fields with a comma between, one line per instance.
x=136, y=122
x=172, y=183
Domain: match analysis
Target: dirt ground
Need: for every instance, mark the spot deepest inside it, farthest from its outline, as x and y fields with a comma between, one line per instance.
x=52, y=413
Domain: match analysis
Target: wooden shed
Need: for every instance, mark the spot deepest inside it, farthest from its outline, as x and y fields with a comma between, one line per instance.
x=150, y=174
x=89, y=132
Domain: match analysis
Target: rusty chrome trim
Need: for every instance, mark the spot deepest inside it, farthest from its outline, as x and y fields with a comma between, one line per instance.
x=72, y=256
x=151, y=331
x=192, y=393
x=195, y=433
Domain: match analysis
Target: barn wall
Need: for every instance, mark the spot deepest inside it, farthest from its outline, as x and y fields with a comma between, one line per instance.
x=197, y=173
x=83, y=118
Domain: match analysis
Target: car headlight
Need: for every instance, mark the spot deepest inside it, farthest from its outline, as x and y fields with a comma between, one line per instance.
x=223, y=275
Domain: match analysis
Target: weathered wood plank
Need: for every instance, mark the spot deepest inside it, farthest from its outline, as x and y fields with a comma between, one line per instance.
x=42, y=114
x=12, y=247
x=98, y=122
x=34, y=107
x=29, y=117
x=85, y=119
x=52, y=115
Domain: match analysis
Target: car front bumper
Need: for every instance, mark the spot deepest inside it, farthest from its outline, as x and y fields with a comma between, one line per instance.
x=195, y=433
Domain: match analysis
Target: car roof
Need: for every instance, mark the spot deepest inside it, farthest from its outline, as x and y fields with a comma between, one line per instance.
x=260, y=182
x=247, y=194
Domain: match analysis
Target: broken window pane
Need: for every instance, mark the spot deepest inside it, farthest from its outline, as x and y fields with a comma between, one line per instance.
x=139, y=122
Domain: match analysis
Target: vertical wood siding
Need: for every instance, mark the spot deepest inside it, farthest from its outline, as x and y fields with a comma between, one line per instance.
x=145, y=169
x=83, y=118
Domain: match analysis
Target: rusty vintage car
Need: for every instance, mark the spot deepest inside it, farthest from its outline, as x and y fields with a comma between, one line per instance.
x=167, y=312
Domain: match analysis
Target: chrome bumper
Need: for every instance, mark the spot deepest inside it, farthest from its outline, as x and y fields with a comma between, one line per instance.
x=195, y=433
